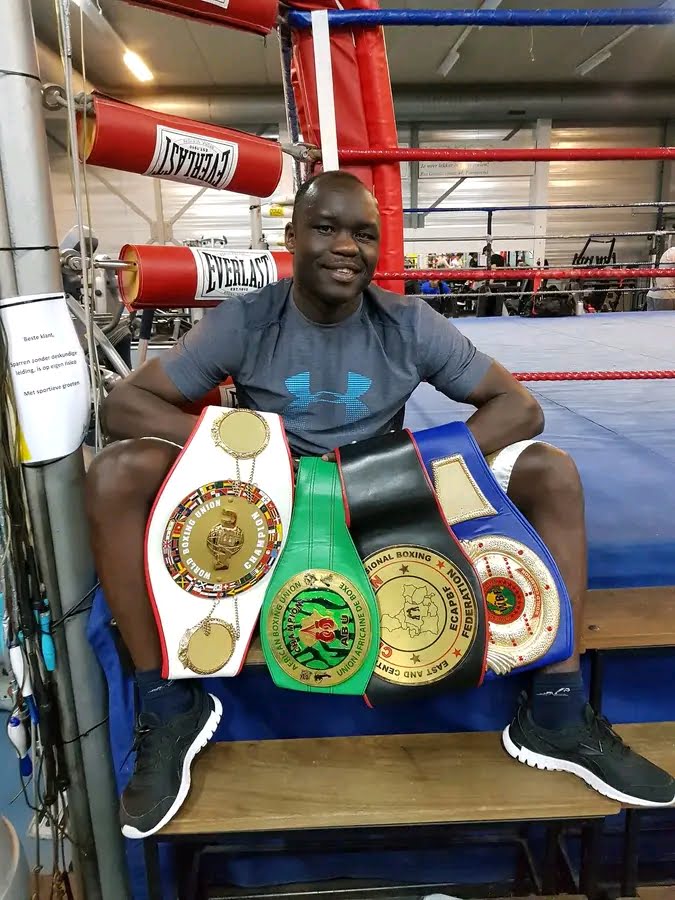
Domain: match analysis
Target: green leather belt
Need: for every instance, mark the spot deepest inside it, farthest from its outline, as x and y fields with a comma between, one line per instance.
x=432, y=612
x=319, y=624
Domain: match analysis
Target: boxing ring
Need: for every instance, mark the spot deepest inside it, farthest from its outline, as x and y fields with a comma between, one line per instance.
x=619, y=430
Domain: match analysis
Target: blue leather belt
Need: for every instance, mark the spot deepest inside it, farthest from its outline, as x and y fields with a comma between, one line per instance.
x=529, y=610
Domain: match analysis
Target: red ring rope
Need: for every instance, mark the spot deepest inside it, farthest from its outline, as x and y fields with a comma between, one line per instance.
x=594, y=376
x=540, y=154
x=580, y=274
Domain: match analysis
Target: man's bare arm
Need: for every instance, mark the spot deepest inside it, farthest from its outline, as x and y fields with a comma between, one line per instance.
x=147, y=404
x=507, y=412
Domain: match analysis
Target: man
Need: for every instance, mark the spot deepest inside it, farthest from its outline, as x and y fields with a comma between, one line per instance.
x=326, y=322
x=662, y=295
x=435, y=291
x=491, y=304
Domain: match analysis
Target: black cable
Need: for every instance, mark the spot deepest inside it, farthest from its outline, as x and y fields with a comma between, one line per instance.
x=21, y=74
x=35, y=247
x=71, y=615
x=87, y=732
x=75, y=610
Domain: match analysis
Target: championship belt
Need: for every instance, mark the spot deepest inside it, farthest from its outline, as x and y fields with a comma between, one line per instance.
x=319, y=626
x=216, y=530
x=433, y=620
x=529, y=610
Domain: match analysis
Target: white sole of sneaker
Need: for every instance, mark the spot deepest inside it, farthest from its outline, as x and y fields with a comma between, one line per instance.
x=551, y=764
x=198, y=744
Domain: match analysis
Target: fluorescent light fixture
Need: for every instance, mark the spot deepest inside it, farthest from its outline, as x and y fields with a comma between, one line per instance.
x=136, y=66
x=593, y=62
x=451, y=59
x=90, y=10
x=452, y=56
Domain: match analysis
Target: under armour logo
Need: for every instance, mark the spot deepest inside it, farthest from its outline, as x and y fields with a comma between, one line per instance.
x=303, y=397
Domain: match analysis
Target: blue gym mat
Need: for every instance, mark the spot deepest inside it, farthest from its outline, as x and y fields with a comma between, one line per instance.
x=622, y=437
x=621, y=434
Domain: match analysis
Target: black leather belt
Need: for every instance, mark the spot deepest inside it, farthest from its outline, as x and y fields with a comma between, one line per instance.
x=432, y=611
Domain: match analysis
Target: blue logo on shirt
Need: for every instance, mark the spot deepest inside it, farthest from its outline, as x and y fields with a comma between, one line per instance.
x=303, y=396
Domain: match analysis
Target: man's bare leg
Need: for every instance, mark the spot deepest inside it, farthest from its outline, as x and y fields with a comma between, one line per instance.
x=558, y=730
x=546, y=488
x=122, y=483
x=177, y=717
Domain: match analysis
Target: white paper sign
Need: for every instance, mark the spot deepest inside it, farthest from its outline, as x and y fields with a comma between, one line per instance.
x=49, y=374
x=222, y=3
x=193, y=159
x=225, y=272
x=475, y=169
x=480, y=167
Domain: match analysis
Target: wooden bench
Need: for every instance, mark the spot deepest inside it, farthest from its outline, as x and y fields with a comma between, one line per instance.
x=435, y=778
x=351, y=782
x=629, y=618
x=625, y=619
x=306, y=789
x=304, y=786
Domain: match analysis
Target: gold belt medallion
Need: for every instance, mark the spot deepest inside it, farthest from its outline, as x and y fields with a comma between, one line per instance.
x=242, y=433
x=428, y=614
x=220, y=540
x=319, y=628
x=522, y=601
x=207, y=647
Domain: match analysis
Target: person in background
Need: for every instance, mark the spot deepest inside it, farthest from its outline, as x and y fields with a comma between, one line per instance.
x=412, y=285
x=662, y=295
x=491, y=304
x=434, y=292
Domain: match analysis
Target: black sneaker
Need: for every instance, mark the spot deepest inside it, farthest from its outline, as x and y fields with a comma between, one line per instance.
x=594, y=752
x=164, y=754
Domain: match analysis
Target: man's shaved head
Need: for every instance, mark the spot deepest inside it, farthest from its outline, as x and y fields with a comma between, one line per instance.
x=310, y=189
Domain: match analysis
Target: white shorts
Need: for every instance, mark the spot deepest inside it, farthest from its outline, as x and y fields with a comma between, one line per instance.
x=502, y=462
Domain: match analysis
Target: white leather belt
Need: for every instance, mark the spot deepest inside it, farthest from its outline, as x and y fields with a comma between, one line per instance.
x=217, y=527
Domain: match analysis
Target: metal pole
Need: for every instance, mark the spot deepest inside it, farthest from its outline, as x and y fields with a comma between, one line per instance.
x=664, y=191
x=539, y=193
x=101, y=339
x=292, y=126
x=7, y=274
x=159, y=225
x=417, y=219
x=255, y=211
x=55, y=490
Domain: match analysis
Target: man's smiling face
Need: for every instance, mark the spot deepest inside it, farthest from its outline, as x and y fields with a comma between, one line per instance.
x=335, y=239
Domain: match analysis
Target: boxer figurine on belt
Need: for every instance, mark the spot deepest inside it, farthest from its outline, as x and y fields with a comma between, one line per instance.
x=337, y=358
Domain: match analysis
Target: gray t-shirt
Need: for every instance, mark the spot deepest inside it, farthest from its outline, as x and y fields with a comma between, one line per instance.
x=332, y=384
